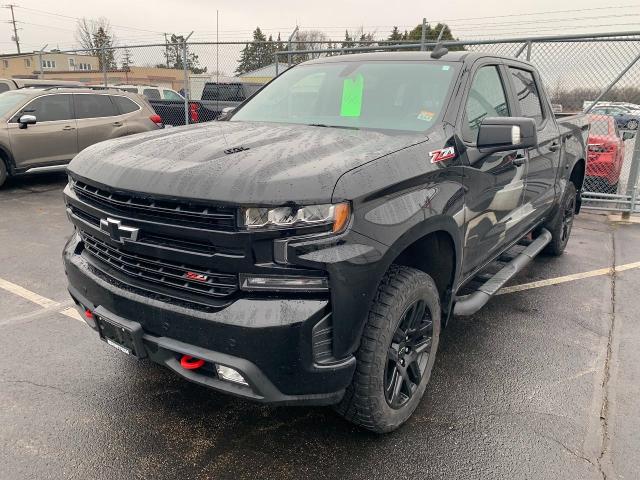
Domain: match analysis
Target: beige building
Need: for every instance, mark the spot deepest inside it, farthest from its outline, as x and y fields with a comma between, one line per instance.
x=26, y=65
x=84, y=68
x=161, y=77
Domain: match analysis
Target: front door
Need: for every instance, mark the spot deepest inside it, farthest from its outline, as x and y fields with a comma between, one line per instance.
x=494, y=183
x=52, y=140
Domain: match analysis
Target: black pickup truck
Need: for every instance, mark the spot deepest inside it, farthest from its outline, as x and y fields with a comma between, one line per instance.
x=309, y=249
x=215, y=98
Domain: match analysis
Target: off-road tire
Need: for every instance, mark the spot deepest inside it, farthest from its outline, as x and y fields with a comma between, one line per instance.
x=562, y=222
x=365, y=403
x=3, y=172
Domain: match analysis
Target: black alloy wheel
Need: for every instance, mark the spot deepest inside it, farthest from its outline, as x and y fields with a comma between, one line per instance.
x=408, y=354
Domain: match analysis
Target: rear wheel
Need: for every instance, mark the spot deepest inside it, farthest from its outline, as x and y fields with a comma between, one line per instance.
x=397, y=352
x=632, y=124
x=562, y=222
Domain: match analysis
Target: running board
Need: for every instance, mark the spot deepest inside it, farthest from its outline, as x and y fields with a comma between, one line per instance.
x=470, y=304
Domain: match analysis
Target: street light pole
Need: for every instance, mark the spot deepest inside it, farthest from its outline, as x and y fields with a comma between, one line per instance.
x=40, y=60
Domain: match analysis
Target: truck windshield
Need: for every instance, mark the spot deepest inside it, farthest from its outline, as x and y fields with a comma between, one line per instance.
x=10, y=100
x=387, y=95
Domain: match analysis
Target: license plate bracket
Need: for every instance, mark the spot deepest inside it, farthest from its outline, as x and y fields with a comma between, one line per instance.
x=124, y=335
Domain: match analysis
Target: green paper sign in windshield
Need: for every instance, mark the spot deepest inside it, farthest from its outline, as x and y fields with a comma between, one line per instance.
x=352, y=89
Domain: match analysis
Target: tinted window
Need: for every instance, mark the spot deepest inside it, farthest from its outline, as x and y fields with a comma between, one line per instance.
x=486, y=99
x=170, y=95
x=151, y=93
x=125, y=105
x=527, y=93
x=93, y=106
x=50, y=108
x=231, y=92
x=3, y=87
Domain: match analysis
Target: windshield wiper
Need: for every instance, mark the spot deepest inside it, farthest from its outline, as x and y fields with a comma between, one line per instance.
x=330, y=126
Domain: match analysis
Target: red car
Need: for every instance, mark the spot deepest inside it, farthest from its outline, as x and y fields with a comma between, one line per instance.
x=606, y=154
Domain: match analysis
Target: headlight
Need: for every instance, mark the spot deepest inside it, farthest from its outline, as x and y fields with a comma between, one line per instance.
x=336, y=216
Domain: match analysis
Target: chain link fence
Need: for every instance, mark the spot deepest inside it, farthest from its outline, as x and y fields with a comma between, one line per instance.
x=192, y=82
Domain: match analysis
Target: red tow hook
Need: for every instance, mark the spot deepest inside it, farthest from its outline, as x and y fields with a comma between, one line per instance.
x=191, y=363
x=88, y=314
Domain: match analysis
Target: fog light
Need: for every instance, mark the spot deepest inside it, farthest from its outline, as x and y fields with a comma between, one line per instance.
x=230, y=375
x=282, y=282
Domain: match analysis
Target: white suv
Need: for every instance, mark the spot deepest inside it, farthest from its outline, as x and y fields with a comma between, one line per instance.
x=152, y=92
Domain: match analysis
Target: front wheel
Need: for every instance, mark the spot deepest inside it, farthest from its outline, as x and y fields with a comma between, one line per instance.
x=632, y=124
x=562, y=222
x=397, y=351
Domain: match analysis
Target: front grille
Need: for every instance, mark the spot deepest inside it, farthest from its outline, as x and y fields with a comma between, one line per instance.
x=175, y=279
x=187, y=213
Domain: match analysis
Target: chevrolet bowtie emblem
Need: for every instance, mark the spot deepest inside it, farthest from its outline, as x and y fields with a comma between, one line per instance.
x=117, y=231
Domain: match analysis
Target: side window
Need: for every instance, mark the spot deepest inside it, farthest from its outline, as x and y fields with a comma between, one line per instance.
x=4, y=87
x=170, y=95
x=94, y=106
x=486, y=99
x=50, y=108
x=528, y=94
x=151, y=93
x=125, y=105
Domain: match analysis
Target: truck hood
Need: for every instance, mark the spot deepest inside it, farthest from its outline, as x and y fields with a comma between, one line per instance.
x=237, y=162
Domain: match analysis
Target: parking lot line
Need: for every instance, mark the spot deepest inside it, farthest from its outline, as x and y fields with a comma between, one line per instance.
x=27, y=294
x=71, y=312
x=569, y=278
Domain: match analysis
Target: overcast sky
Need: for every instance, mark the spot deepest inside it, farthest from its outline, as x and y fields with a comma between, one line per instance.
x=143, y=21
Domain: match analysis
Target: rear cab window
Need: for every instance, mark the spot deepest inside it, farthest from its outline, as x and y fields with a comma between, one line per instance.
x=231, y=92
x=94, y=106
x=170, y=95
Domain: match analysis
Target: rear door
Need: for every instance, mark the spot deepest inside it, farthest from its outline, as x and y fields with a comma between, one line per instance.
x=52, y=140
x=494, y=183
x=544, y=160
x=98, y=119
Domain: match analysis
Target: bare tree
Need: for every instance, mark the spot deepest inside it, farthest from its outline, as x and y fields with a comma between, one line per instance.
x=317, y=40
x=87, y=29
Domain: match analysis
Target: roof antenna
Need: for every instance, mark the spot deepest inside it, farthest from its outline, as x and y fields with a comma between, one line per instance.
x=439, y=50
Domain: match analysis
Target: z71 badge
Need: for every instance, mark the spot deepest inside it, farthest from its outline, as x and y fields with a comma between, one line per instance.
x=442, y=154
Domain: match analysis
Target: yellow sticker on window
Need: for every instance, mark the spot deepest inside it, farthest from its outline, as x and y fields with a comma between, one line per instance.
x=352, y=89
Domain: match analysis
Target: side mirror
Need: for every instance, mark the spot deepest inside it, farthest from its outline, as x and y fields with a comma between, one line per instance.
x=499, y=134
x=628, y=135
x=225, y=113
x=26, y=120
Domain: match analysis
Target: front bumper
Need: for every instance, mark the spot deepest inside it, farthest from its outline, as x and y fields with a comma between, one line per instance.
x=268, y=340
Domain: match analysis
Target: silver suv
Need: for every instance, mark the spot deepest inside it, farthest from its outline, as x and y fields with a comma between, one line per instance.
x=48, y=127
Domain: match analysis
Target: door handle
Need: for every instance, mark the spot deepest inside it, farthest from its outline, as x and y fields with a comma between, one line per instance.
x=554, y=147
x=518, y=160
x=117, y=124
x=68, y=128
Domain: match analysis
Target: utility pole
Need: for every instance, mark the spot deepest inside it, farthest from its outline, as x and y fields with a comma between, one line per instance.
x=424, y=34
x=15, y=29
x=40, y=60
x=166, y=49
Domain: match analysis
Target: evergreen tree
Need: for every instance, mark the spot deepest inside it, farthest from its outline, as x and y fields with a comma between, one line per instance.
x=175, y=51
x=102, y=46
x=257, y=54
x=127, y=59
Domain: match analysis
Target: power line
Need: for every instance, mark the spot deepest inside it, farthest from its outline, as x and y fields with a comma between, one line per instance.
x=45, y=12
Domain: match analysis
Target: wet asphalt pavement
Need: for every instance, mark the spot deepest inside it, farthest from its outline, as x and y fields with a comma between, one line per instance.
x=541, y=383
